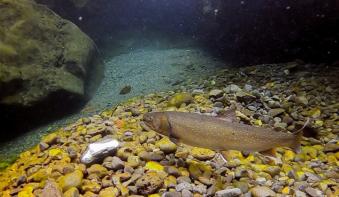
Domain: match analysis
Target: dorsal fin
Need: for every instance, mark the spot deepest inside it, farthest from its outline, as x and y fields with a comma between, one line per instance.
x=302, y=128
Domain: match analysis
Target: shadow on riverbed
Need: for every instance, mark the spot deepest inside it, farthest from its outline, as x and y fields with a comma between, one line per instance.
x=17, y=120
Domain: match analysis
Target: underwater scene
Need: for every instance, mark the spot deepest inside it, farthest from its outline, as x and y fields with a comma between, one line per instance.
x=169, y=98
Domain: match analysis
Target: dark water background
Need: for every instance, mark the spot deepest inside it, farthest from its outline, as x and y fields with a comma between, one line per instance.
x=244, y=32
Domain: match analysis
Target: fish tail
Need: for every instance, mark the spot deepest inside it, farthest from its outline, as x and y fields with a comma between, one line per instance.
x=298, y=136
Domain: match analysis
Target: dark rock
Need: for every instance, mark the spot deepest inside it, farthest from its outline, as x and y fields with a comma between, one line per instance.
x=276, y=111
x=126, y=89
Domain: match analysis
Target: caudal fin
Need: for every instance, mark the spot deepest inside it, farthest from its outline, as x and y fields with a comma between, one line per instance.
x=298, y=136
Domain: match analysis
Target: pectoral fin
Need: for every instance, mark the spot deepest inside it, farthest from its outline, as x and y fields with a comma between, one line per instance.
x=174, y=140
x=270, y=152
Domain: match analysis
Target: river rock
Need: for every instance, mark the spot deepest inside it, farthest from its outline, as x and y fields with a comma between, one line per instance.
x=183, y=186
x=73, y=179
x=215, y=93
x=202, y=153
x=262, y=191
x=171, y=194
x=149, y=183
x=72, y=192
x=276, y=111
x=331, y=147
x=117, y=163
x=180, y=98
x=99, y=150
x=313, y=192
x=51, y=189
x=232, y=89
x=96, y=171
x=151, y=156
x=166, y=145
x=228, y=193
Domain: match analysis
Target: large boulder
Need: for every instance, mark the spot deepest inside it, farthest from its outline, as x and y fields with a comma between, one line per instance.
x=44, y=59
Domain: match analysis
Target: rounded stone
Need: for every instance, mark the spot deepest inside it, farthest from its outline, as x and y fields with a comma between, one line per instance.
x=202, y=153
x=166, y=145
x=97, y=170
x=262, y=191
x=70, y=180
x=149, y=183
x=228, y=193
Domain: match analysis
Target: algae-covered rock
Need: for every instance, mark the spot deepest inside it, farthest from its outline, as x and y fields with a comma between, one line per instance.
x=70, y=180
x=149, y=183
x=179, y=99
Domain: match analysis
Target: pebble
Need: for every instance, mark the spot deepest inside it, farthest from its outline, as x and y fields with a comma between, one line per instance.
x=228, y=193
x=215, y=93
x=232, y=89
x=117, y=163
x=73, y=179
x=43, y=146
x=51, y=189
x=262, y=191
x=301, y=100
x=248, y=87
x=252, y=108
x=313, y=192
x=299, y=193
x=72, y=192
x=133, y=161
x=183, y=186
x=97, y=171
x=202, y=153
x=331, y=147
x=149, y=183
x=151, y=156
x=172, y=170
x=166, y=145
x=186, y=193
x=218, y=104
x=99, y=150
x=276, y=111
x=171, y=194
x=201, y=189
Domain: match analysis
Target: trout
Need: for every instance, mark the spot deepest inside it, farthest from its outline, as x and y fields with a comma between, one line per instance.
x=214, y=133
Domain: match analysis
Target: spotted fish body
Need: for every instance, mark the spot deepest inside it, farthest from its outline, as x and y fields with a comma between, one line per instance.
x=214, y=133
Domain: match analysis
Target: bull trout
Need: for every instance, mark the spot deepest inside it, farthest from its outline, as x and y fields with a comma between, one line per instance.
x=214, y=133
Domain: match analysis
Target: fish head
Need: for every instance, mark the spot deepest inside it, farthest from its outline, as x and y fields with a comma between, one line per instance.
x=156, y=121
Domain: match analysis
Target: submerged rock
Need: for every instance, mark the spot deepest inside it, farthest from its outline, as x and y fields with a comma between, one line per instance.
x=70, y=180
x=98, y=150
x=43, y=59
x=125, y=90
x=51, y=189
x=180, y=98
x=149, y=183
x=228, y=193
